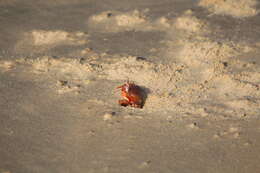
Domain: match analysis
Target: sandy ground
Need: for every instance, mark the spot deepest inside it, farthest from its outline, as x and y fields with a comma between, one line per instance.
x=198, y=62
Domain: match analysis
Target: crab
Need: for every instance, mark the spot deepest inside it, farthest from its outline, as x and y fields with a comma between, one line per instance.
x=132, y=94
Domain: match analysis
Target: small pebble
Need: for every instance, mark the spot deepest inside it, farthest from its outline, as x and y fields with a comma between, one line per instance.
x=236, y=135
x=247, y=143
x=216, y=136
x=107, y=116
x=233, y=129
x=193, y=126
x=62, y=82
x=145, y=164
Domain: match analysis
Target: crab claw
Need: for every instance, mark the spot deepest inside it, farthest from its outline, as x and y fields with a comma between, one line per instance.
x=124, y=85
x=120, y=87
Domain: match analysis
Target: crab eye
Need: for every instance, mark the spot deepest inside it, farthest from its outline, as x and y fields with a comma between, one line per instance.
x=127, y=88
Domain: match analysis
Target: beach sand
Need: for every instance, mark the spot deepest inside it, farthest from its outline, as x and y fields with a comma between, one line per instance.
x=197, y=61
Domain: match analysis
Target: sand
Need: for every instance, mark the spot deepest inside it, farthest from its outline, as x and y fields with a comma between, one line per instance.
x=239, y=9
x=198, y=63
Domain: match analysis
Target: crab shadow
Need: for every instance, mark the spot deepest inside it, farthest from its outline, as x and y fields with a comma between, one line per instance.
x=145, y=92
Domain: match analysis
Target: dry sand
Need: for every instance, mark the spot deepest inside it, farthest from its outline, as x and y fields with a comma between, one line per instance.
x=235, y=8
x=198, y=66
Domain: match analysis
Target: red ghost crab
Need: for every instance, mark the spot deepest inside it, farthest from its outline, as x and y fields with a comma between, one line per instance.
x=132, y=94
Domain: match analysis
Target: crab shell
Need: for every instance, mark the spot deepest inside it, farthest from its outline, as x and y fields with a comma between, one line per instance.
x=132, y=95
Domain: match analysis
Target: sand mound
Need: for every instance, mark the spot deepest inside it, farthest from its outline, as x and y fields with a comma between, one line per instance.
x=235, y=8
x=110, y=21
x=41, y=37
x=197, y=52
x=214, y=80
x=172, y=87
x=46, y=39
x=115, y=21
x=190, y=23
x=62, y=67
x=69, y=74
x=157, y=77
x=203, y=56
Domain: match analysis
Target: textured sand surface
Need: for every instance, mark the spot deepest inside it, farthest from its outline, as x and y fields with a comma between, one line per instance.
x=236, y=8
x=197, y=61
